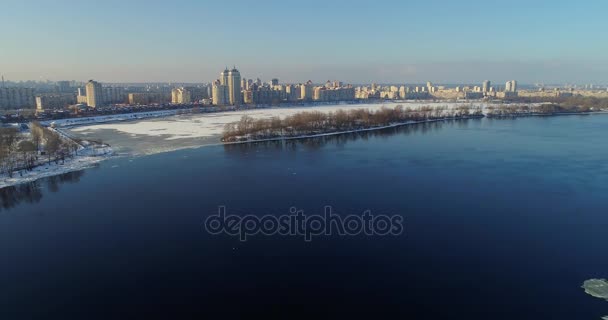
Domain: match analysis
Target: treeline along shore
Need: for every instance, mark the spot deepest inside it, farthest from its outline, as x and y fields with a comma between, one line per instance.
x=312, y=123
x=25, y=151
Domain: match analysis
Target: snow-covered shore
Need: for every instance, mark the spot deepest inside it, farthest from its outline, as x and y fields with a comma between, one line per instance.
x=170, y=130
x=53, y=169
x=86, y=155
x=110, y=118
x=212, y=124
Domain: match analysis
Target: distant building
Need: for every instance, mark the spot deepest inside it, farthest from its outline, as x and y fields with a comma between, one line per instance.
x=333, y=94
x=224, y=77
x=263, y=95
x=486, y=86
x=198, y=93
x=511, y=86
x=291, y=93
x=227, y=90
x=507, y=94
x=55, y=101
x=94, y=94
x=114, y=95
x=234, y=87
x=220, y=94
x=306, y=91
x=63, y=86
x=17, y=98
x=180, y=96
x=473, y=95
x=145, y=98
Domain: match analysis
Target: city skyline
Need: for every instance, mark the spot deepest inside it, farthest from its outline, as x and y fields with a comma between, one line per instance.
x=358, y=42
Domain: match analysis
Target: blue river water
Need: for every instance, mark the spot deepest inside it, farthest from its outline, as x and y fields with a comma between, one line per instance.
x=503, y=219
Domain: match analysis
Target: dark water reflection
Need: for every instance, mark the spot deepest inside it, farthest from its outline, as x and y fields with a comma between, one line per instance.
x=342, y=139
x=32, y=192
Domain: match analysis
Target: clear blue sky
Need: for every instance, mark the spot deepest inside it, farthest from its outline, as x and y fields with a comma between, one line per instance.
x=354, y=41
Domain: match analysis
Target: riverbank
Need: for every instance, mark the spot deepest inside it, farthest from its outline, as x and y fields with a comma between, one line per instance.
x=335, y=133
x=205, y=130
x=57, y=153
x=52, y=169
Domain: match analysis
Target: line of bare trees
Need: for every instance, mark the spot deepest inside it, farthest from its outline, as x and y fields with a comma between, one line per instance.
x=316, y=122
x=511, y=110
x=24, y=152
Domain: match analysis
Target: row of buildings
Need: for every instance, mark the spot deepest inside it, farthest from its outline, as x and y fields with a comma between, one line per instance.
x=231, y=89
x=16, y=98
x=96, y=95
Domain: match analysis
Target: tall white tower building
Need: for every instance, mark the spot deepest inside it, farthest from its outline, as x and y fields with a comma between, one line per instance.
x=511, y=86
x=224, y=77
x=234, y=87
x=219, y=93
x=94, y=94
x=486, y=86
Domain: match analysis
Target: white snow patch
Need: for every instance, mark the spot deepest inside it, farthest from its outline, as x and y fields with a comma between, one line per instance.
x=52, y=169
x=212, y=124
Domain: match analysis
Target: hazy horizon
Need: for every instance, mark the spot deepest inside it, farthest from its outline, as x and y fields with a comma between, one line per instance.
x=351, y=41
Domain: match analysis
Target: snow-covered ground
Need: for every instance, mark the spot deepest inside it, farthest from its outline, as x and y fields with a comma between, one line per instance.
x=162, y=131
x=110, y=118
x=80, y=162
x=212, y=124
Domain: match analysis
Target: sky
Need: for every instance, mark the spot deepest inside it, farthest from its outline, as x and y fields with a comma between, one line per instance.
x=386, y=41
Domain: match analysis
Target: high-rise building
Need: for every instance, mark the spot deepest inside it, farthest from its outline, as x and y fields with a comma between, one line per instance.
x=274, y=82
x=333, y=94
x=486, y=86
x=234, y=87
x=180, y=96
x=224, y=77
x=113, y=95
x=510, y=90
x=219, y=94
x=94, y=94
x=54, y=101
x=292, y=94
x=306, y=91
x=16, y=98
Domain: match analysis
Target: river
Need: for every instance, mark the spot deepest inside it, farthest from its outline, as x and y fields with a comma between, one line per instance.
x=503, y=219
